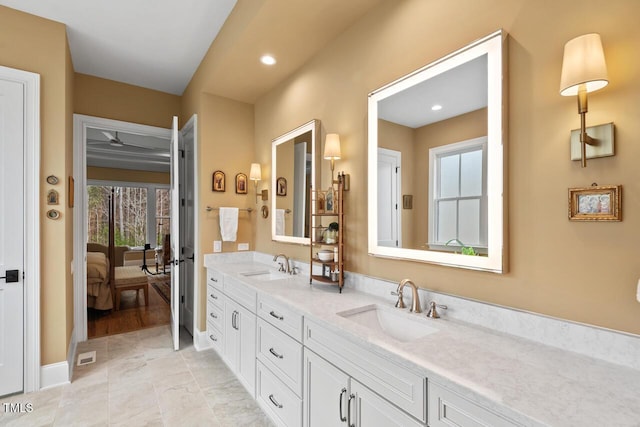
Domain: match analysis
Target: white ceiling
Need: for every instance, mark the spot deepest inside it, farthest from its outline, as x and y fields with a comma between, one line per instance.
x=156, y=44
x=460, y=90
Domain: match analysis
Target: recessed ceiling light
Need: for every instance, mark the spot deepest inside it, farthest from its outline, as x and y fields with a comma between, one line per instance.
x=267, y=59
x=436, y=107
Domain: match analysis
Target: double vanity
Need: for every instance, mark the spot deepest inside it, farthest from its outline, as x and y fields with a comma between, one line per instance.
x=313, y=357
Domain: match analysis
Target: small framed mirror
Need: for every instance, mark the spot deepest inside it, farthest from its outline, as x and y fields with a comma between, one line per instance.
x=436, y=139
x=293, y=174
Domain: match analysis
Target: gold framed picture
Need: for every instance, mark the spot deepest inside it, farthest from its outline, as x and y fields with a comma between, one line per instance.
x=218, y=181
x=596, y=203
x=241, y=183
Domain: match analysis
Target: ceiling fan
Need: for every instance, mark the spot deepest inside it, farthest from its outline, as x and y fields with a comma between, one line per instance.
x=115, y=141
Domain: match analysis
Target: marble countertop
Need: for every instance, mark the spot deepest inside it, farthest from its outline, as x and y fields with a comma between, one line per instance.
x=531, y=383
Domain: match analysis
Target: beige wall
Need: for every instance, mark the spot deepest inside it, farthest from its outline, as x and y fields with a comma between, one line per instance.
x=225, y=143
x=34, y=44
x=579, y=271
x=124, y=175
x=109, y=99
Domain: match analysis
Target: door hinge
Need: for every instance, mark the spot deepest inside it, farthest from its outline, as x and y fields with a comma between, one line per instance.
x=182, y=153
x=181, y=251
x=181, y=299
x=397, y=169
x=396, y=243
x=182, y=202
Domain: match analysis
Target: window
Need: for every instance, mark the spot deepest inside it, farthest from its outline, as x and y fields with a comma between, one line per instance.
x=458, y=195
x=141, y=214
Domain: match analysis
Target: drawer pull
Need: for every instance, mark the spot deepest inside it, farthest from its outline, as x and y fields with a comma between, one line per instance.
x=275, y=402
x=342, y=417
x=276, y=315
x=272, y=351
x=213, y=296
x=213, y=338
x=213, y=315
x=214, y=280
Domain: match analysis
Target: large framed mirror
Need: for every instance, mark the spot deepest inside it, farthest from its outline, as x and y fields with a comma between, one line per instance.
x=435, y=155
x=293, y=174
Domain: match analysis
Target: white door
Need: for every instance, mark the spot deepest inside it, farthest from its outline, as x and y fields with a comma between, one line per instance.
x=11, y=236
x=326, y=393
x=388, y=198
x=175, y=234
x=299, y=188
x=187, y=216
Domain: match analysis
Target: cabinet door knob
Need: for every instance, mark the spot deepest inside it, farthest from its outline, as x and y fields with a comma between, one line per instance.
x=351, y=396
x=342, y=417
x=275, y=402
x=213, y=296
x=276, y=315
x=213, y=315
x=272, y=351
x=213, y=338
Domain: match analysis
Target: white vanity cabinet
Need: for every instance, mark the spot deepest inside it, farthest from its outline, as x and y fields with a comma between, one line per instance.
x=215, y=310
x=279, y=367
x=240, y=331
x=333, y=398
x=447, y=408
x=364, y=371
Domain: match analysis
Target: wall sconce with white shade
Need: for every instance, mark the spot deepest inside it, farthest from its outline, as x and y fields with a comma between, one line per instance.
x=255, y=175
x=332, y=150
x=584, y=70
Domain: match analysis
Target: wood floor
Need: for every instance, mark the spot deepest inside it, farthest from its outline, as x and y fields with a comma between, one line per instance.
x=133, y=315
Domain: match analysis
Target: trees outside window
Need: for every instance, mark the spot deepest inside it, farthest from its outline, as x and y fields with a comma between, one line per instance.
x=141, y=213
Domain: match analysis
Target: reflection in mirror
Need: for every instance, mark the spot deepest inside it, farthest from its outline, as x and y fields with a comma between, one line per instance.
x=293, y=158
x=435, y=139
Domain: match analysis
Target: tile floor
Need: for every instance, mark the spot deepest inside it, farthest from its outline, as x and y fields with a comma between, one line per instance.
x=138, y=380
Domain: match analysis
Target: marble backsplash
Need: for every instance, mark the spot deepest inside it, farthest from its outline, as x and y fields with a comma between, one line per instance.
x=612, y=346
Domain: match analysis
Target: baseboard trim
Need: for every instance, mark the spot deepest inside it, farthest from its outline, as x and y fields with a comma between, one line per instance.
x=54, y=374
x=71, y=353
x=201, y=341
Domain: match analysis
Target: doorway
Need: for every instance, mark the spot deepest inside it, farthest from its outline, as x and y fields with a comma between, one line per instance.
x=142, y=144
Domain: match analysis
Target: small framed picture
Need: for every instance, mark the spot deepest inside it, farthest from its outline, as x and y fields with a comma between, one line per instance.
x=281, y=186
x=52, y=197
x=320, y=202
x=241, y=183
x=596, y=203
x=330, y=201
x=218, y=181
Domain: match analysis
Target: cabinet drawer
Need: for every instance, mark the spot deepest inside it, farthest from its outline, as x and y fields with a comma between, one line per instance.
x=276, y=399
x=215, y=279
x=240, y=293
x=393, y=382
x=215, y=315
x=280, y=316
x=215, y=296
x=282, y=354
x=447, y=408
x=216, y=338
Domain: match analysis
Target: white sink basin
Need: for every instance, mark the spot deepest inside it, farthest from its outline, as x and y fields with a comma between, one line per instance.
x=391, y=321
x=265, y=275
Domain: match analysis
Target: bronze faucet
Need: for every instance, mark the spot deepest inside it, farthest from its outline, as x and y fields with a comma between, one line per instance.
x=415, y=303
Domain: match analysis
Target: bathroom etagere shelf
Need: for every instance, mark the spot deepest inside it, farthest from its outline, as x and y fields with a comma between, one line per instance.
x=327, y=204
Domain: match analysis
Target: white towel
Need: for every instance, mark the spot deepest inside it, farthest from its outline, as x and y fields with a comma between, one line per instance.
x=279, y=222
x=228, y=224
